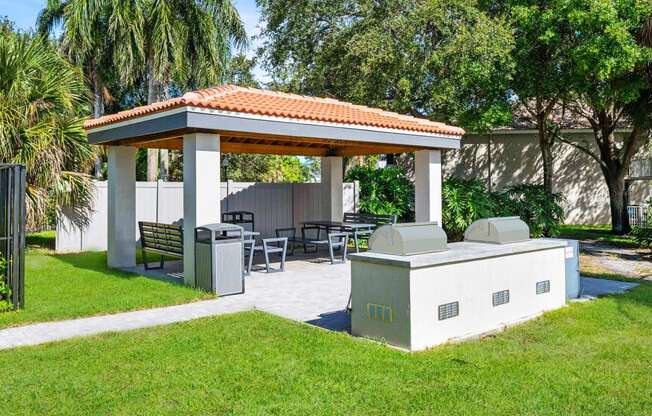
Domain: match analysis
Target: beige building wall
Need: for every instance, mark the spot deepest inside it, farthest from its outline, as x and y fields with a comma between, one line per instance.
x=513, y=157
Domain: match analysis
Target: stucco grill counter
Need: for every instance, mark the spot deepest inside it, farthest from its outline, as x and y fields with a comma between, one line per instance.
x=452, y=291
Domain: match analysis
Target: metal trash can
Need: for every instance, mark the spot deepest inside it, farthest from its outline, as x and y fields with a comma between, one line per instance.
x=219, y=258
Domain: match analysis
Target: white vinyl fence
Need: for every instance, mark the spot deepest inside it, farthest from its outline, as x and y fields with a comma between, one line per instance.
x=275, y=205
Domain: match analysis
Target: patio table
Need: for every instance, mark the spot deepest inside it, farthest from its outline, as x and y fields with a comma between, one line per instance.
x=355, y=228
x=339, y=225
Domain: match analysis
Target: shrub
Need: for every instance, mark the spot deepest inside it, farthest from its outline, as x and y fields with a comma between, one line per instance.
x=384, y=191
x=389, y=191
x=539, y=209
x=5, y=290
x=464, y=201
x=642, y=236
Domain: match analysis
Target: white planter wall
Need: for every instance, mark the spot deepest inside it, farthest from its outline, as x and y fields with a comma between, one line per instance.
x=275, y=205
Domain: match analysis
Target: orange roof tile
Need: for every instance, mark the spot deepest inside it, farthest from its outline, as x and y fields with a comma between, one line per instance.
x=277, y=104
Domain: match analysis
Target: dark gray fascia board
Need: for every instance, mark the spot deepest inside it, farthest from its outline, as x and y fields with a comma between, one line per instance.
x=206, y=121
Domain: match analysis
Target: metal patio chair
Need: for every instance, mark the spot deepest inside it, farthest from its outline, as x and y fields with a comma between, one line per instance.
x=269, y=246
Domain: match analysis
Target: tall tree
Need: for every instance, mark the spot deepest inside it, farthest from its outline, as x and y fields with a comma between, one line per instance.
x=43, y=101
x=189, y=43
x=610, y=64
x=185, y=42
x=91, y=30
x=541, y=56
x=445, y=60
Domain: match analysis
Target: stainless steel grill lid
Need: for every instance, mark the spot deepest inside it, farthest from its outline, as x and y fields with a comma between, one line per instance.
x=408, y=239
x=499, y=230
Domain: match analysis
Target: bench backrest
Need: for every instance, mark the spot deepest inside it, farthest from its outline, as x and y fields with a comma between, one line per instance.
x=377, y=219
x=166, y=238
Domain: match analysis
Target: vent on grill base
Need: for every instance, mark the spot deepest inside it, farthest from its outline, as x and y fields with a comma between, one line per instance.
x=500, y=298
x=448, y=310
x=543, y=287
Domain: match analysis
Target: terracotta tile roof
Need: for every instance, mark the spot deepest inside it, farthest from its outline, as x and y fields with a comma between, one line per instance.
x=276, y=104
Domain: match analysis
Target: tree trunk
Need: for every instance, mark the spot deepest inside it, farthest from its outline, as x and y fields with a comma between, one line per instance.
x=164, y=164
x=545, y=144
x=617, y=200
x=98, y=111
x=152, y=154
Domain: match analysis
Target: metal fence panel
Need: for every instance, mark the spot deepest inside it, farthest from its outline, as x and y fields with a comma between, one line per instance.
x=638, y=215
x=12, y=229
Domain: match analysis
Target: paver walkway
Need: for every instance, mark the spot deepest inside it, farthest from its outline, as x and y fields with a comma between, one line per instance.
x=307, y=292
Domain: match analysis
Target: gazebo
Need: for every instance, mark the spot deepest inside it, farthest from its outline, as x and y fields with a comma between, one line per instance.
x=233, y=119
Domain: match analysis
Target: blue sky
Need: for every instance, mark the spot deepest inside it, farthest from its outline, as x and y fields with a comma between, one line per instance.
x=24, y=12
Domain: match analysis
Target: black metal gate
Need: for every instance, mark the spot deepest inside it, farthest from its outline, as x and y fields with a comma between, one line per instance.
x=12, y=231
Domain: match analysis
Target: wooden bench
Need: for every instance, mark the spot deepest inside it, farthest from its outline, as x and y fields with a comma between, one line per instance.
x=364, y=218
x=164, y=239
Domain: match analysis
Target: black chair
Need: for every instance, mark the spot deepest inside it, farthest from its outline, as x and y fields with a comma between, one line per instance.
x=242, y=218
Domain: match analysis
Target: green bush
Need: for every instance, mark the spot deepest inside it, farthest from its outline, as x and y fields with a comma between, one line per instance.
x=539, y=209
x=464, y=201
x=389, y=191
x=5, y=290
x=385, y=191
x=642, y=236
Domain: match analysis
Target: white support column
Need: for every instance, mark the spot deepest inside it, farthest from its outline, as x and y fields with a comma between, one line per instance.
x=201, y=192
x=332, y=188
x=121, y=232
x=427, y=183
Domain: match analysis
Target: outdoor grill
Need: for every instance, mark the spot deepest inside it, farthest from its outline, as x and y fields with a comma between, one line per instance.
x=413, y=290
x=408, y=239
x=501, y=230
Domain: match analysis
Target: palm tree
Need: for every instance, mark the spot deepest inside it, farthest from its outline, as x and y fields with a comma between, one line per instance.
x=185, y=42
x=42, y=102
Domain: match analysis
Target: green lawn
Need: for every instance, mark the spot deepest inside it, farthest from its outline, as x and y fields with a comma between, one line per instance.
x=597, y=233
x=587, y=359
x=74, y=285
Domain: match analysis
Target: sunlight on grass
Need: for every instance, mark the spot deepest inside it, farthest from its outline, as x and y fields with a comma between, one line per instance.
x=75, y=285
x=597, y=233
x=588, y=358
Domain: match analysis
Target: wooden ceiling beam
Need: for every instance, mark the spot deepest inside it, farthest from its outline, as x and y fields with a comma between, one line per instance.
x=278, y=145
x=233, y=147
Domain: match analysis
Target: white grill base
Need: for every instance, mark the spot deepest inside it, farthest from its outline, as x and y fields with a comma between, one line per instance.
x=409, y=297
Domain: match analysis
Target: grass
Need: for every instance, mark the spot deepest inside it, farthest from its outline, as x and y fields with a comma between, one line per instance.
x=589, y=358
x=597, y=233
x=76, y=285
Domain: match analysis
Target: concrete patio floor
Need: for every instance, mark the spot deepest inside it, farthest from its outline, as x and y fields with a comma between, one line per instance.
x=310, y=290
